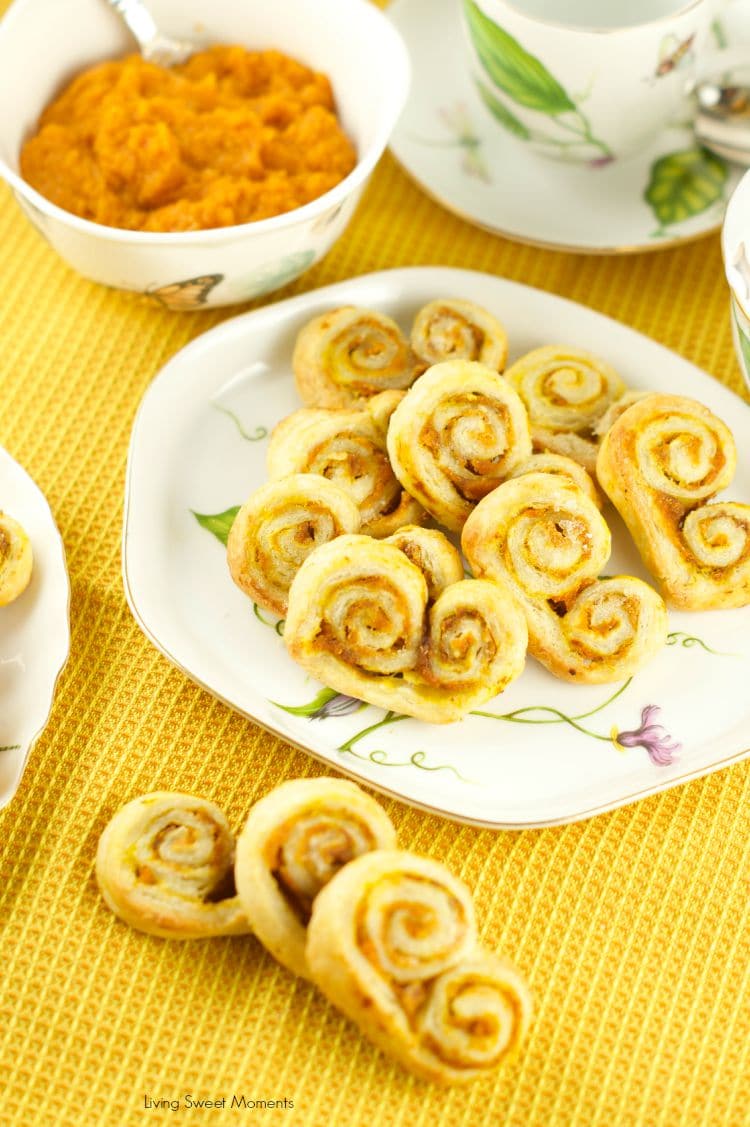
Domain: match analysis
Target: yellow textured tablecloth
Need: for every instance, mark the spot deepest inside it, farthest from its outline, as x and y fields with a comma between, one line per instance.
x=632, y=927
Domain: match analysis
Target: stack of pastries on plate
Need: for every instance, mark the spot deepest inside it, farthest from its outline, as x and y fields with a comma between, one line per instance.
x=400, y=433
x=389, y=936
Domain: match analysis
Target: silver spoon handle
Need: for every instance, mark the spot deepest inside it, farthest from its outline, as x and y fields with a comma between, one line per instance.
x=155, y=47
x=138, y=19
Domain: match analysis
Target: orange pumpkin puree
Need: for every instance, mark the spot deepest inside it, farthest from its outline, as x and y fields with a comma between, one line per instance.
x=228, y=137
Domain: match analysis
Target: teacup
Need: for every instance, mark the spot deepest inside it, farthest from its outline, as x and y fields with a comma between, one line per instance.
x=585, y=80
x=735, y=247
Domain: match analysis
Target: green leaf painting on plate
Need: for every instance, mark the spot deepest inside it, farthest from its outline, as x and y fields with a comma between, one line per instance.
x=523, y=77
x=260, y=432
x=684, y=184
x=218, y=523
x=312, y=708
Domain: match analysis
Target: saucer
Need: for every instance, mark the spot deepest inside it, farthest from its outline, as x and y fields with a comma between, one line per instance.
x=447, y=140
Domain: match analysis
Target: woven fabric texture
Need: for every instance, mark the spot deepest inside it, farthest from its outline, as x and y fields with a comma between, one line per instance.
x=633, y=928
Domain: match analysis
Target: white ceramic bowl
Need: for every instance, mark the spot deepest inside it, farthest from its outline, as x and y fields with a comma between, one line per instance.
x=735, y=248
x=43, y=43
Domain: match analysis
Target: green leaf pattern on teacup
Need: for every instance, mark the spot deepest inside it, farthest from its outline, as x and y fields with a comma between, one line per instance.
x=522, y=76
x=684, y=184
x=526, y=81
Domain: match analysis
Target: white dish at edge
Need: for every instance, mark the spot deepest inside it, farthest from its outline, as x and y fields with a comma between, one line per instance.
x=34, y=629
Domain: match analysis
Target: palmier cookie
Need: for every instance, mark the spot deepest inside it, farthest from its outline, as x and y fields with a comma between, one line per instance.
x=660, y=463
x=456, y=329
x=566, y=391
x=16, y=559
x=360, y=620
x=165, y=865
x=295, y=839
x=277, y=528
x=393, y=944
x=546, y=539
x=349, y=448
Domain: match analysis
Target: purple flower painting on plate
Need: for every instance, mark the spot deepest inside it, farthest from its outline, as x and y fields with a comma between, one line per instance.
x=651, y=736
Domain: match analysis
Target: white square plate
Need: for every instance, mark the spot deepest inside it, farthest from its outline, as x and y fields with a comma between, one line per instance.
x=547, y=757
x=34, y=629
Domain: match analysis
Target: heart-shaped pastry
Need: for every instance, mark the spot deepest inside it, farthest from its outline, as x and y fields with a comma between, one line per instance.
x=661, y=463
x=547, y=540
x=295, y=840
x=359, y=621
x=162, y=864
x=392, y=943
x=455, y=435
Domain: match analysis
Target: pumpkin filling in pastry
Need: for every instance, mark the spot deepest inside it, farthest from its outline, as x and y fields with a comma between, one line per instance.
x=305, y=852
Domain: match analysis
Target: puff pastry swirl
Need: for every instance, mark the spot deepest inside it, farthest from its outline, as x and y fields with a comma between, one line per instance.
x=661, y=463
x=278, y=527
x=349, y=354
x=16, y=559
x=456, y=329
x=393, y=944
x=349, y=448
x=566, y=391
x=359, y=621
x=162, y=862
x=434, y=555
x=544, y=537
x=295, y=840
x=456, y=434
